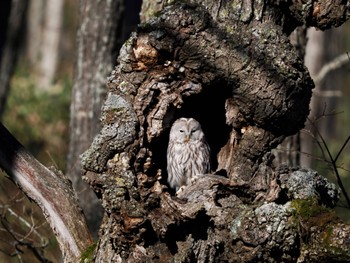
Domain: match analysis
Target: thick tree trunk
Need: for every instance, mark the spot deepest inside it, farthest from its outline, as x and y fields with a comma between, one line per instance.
x=95, y=58
x=231, y=66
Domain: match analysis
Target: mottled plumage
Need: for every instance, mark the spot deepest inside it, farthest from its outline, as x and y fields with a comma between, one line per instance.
x=188, y=153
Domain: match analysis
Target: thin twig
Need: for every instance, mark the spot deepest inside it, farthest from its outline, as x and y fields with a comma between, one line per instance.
x=26, y=223
x=339, y=181
x=315, y=157
x=22, y=242
x=342, y=148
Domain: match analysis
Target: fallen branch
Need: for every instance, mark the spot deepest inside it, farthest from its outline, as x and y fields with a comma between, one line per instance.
x=51, y=190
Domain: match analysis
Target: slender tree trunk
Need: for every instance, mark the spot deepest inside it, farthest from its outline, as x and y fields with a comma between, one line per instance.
x=10, y=48
x=95, y=57
x=34, y=32
x=51, y=35
x=4, y=19
x=43, y=39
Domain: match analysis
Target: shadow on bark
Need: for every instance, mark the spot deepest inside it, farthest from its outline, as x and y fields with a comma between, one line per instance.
x=247, y=87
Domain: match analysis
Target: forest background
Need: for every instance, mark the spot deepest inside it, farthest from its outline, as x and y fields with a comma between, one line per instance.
x=37, y=112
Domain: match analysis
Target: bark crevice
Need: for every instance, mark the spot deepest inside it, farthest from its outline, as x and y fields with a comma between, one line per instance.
x=191, y=61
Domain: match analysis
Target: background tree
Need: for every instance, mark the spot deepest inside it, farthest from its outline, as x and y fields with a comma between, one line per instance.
x=96, y=46
x=44, y=34
x=12, y=25
x=98, y=42
x=328, y=90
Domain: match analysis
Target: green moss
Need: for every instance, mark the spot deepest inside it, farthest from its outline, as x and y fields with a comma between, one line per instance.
x=327, y=234
x=88, y=254
x=312, y=215
x=38, y=118
x=309, y=208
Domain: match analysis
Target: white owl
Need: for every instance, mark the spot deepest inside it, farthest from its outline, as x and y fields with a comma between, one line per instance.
x=188, y=153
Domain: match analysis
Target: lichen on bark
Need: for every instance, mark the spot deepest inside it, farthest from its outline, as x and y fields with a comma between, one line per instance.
x=239, y=76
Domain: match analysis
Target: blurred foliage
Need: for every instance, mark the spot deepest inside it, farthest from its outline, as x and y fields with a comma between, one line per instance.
x=40, y=121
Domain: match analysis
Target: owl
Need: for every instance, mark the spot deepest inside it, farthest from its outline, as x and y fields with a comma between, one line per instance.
x=188, y=153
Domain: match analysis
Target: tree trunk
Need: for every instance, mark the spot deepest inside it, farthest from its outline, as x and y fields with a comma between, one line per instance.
x=288, y=152
x=43, y=40
x=95, y=57
x=34, y=32
x=10, y=48
x=51, y=35
x=231, y=66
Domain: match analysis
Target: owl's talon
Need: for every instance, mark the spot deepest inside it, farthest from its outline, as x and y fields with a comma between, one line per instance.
x=194, y=178
x=180, y=189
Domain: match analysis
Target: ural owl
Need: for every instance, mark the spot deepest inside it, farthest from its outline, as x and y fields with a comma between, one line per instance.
x=188, y=153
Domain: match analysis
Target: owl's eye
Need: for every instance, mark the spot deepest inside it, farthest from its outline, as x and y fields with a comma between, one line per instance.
x=181, y=131
x=193, y=131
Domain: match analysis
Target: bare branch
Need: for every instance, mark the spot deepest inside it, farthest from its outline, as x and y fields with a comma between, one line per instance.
x=51, y=190
x=334, y=164
x=342, y=148
x=328, y=93
x=23, y=242
x=336, y=63
x=26, y=223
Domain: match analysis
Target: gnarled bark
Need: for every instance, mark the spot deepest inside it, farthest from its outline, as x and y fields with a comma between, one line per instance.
x=230, y=65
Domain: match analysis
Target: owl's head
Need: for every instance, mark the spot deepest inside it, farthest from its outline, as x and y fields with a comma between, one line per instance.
x=186, y=130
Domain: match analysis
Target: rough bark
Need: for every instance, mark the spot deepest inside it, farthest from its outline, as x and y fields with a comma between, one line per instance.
x=52, y=191
x=230, y=65
x=288, y=152
x=95, y=58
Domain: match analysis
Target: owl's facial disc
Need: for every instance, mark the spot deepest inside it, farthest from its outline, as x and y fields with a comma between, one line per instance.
x=184, y=135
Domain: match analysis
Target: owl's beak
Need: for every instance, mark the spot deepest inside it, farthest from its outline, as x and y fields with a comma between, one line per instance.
x=187, y=138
